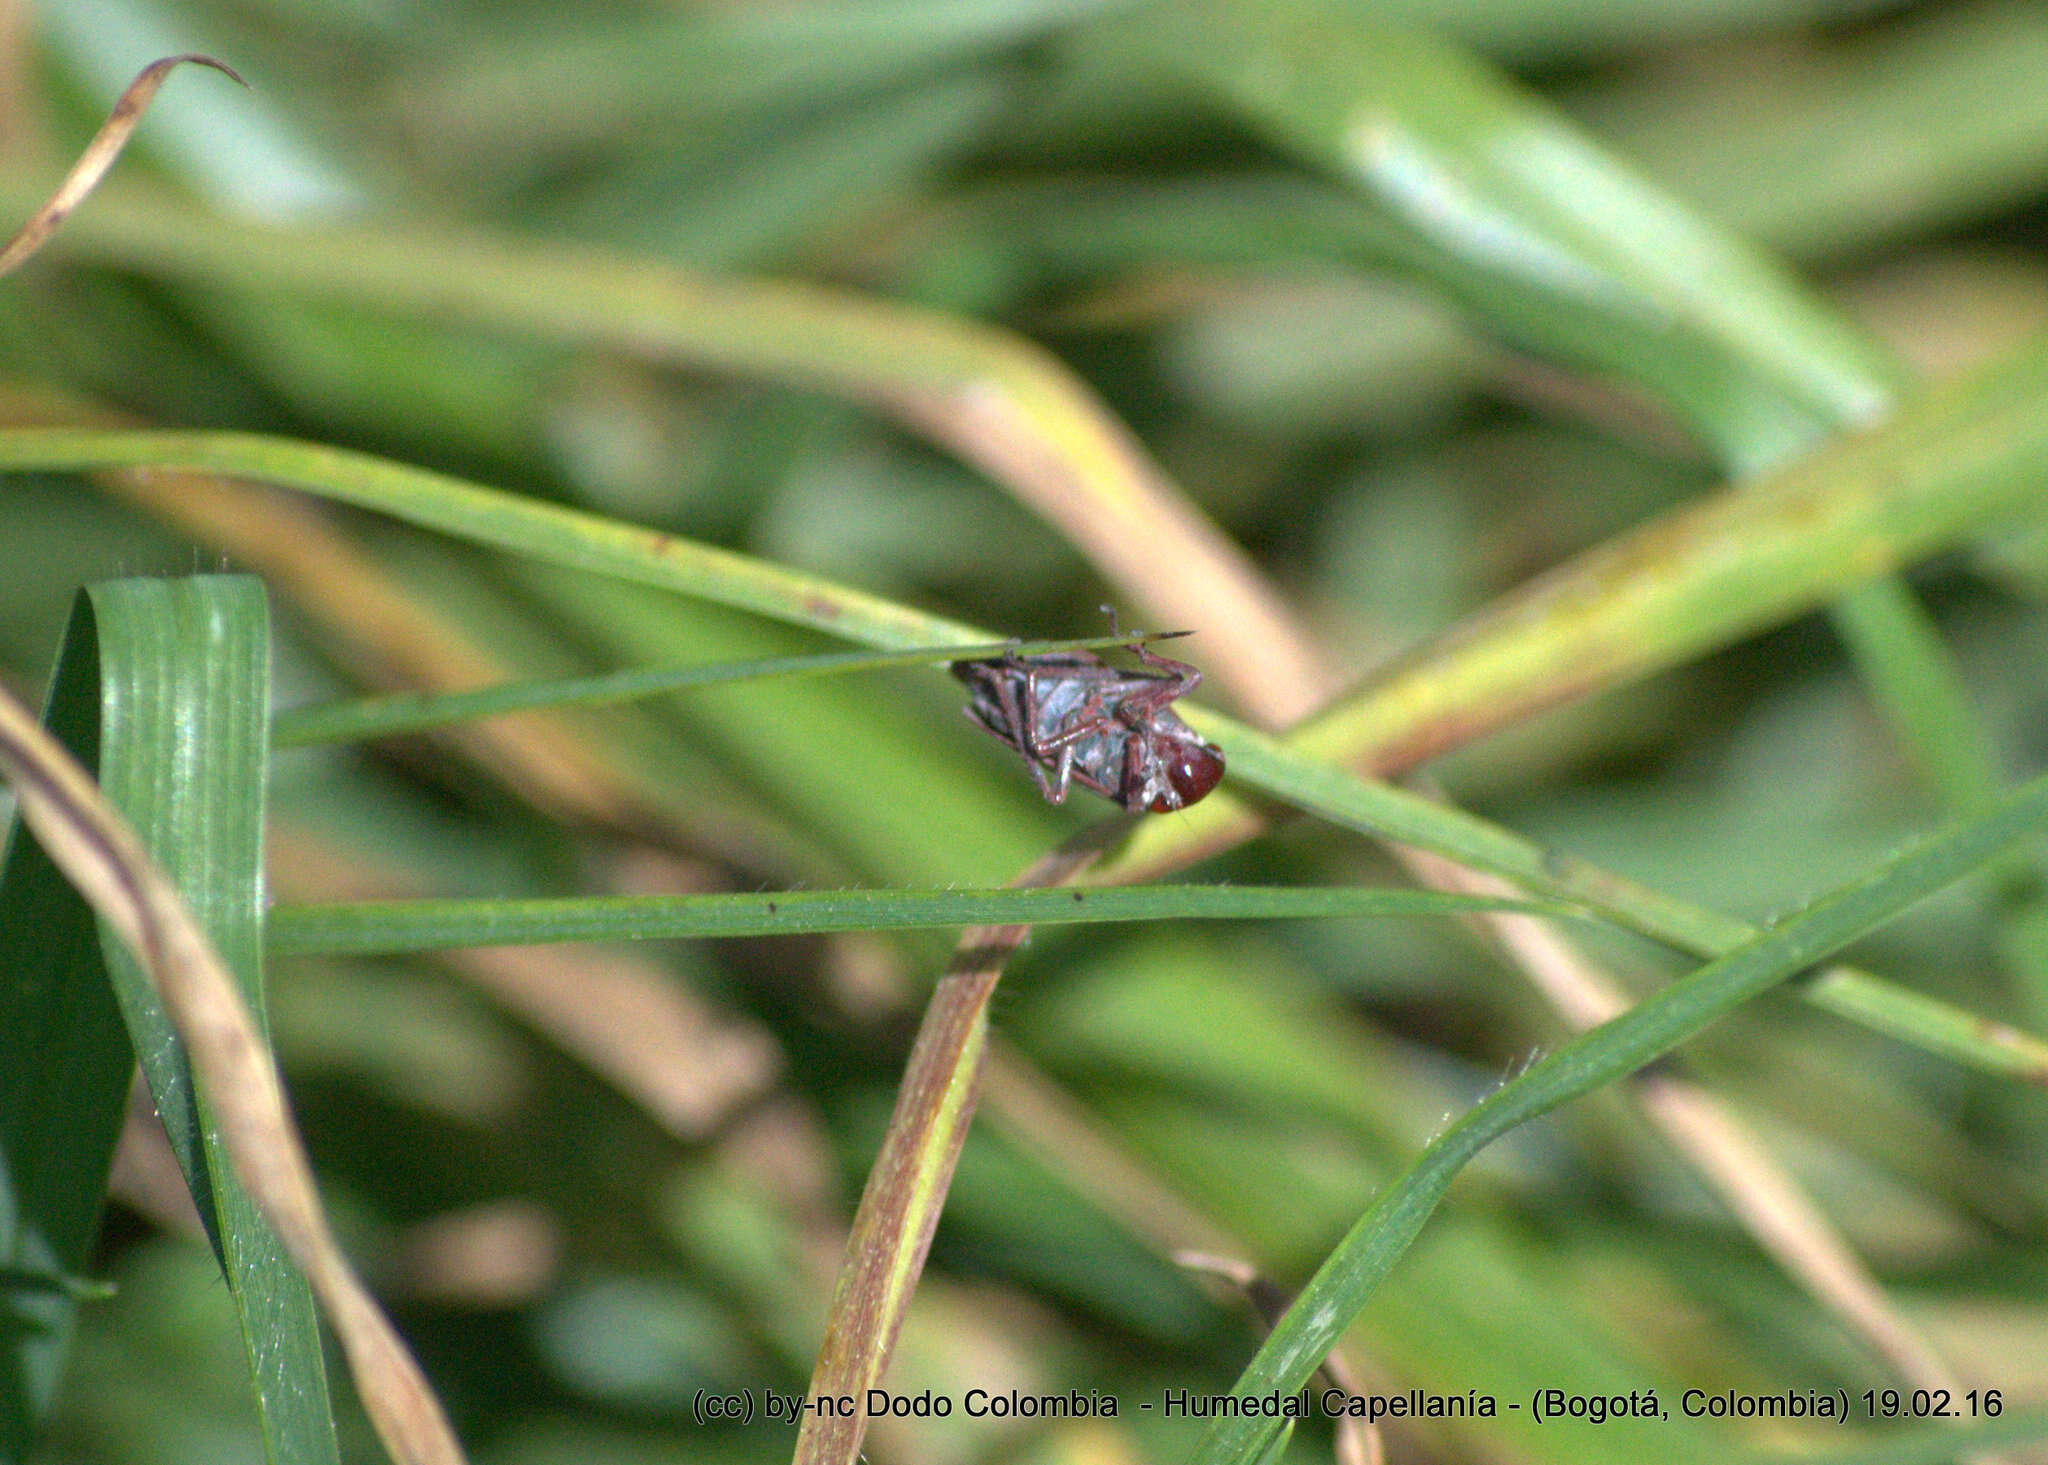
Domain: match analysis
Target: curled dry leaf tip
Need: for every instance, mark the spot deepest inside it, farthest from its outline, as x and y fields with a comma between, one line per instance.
x=99, y=155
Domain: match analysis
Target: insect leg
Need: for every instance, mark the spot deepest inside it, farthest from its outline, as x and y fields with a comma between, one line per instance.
x=1138, y=754
x=1015, y=714
x=1033, y=708
x=1185, y=678
x=1056, y=791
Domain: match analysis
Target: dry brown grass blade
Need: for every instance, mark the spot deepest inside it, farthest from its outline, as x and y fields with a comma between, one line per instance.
x=101, y=856
x=892, y=1228
x=1133, y=522
x=99, y=155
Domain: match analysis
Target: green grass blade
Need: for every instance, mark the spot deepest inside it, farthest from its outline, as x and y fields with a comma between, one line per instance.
x=423, y=925
x=1346, y=1281
x=1400, y=816
x=185, y=667
x=1911, y=674
x=377, y=717
x=546, y=532
x=1389, y=812
x=65, y=1063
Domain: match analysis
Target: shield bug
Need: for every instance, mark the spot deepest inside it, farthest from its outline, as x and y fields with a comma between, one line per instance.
x=1075, y=717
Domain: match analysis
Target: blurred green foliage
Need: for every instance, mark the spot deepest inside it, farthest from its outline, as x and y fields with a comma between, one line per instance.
x=1392, y=460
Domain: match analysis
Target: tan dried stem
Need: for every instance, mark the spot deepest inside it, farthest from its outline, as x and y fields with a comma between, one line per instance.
x=101, y=856
x=1136, y=526
x=99, y=155
x=899, y=1207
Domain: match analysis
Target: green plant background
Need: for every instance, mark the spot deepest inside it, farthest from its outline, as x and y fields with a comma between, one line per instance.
x=1729, y=305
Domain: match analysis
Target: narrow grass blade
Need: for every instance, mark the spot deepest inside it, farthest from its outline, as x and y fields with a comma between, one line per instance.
x=1389, y=812
x=1347, y=1279
x=376, y=717
x=239, y=1105
x=65, y=1064
x=546, y=532
x=185, y=673
x=421, y=925
x=1913, y=677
